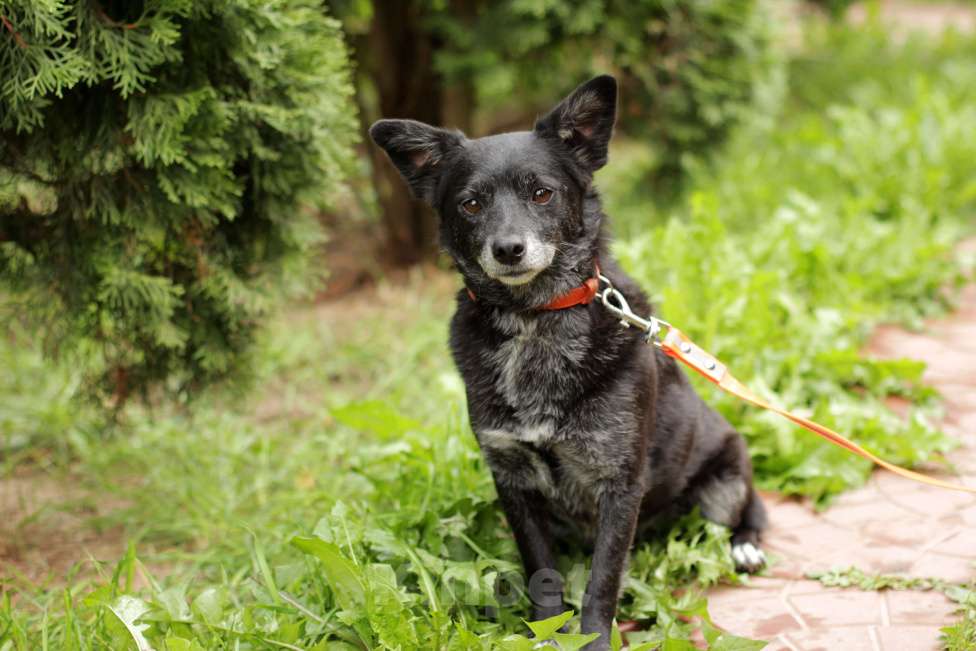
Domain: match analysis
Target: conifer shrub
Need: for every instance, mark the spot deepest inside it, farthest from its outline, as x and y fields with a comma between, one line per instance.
x=158, y=162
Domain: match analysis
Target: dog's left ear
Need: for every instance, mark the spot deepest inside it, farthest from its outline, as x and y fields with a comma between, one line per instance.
x=584, y=121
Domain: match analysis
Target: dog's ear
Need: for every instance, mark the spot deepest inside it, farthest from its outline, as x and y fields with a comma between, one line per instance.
x=584, y=121
x=416, y=150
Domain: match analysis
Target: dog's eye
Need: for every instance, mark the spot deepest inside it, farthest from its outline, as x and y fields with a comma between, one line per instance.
x=471, y=206
x=541, y=196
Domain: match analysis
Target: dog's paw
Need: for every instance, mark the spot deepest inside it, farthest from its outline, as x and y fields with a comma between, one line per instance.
x=748, y=557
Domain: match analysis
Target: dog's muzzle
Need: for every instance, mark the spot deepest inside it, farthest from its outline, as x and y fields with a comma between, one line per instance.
x=516, y=262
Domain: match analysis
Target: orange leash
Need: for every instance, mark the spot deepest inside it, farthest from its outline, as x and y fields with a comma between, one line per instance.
x=676, y=344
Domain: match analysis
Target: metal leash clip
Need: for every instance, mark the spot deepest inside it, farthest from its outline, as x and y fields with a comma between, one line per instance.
x=615, y=302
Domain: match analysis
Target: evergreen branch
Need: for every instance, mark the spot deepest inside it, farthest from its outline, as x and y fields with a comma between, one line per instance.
x=10, y=28
x=108, y=20
x=166, y=103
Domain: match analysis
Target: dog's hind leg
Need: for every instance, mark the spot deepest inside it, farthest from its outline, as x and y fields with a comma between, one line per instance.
x=746, y=552
x=728, y=497
x=730, y=500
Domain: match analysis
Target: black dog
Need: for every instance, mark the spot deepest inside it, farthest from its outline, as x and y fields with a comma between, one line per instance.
x=589, y=432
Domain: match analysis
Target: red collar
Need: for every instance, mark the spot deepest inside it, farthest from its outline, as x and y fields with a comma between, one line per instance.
x=577, y=296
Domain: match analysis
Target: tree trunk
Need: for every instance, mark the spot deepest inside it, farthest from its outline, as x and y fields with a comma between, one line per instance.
x=460, y=97
x=400, y=63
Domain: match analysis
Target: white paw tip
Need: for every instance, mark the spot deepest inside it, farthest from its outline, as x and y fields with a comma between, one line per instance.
x=748, y=557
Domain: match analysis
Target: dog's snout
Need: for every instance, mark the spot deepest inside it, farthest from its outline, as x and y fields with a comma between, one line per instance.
x=508, y=250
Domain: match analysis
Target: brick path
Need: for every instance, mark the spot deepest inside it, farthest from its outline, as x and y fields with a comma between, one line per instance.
x=891, y=525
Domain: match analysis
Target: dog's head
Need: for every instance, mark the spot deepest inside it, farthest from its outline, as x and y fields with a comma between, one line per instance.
x=511, y=206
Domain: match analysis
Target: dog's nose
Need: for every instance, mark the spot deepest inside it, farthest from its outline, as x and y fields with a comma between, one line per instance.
x=509, y=250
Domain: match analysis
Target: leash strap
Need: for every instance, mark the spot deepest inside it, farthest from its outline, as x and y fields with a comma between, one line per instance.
x=678, y=345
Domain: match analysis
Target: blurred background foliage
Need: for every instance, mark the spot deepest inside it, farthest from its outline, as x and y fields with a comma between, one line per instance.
x=688, y=72
x=209, y=129
x=783, y=180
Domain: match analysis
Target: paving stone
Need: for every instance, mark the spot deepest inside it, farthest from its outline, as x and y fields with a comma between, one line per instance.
x=813, y=541
x=919, y=608
x=961, y=543
x=890, y=485
x=968, y=516
x=859, y=496
x=962, y=336
x=762, y=583
x=858, y=514
x=946, y=368
x=832, y=608
x=948, y=568
x=904, y=532
x=785, y=566
x=787, y=514
x=804, y=586
x=761, y=617
x=874, y=559
x=834, y=639
x=957, y=394
x=963, y=419
x=768, y=627
x=908, y=638
x=891, y=525
x=932, y=502
x=780, y=643
x=966, y=453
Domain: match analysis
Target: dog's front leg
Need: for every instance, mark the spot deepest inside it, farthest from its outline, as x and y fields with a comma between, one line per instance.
x=526, y=512
x=615, y=534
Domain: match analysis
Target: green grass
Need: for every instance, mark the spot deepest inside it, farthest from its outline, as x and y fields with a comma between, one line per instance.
x=344, y=504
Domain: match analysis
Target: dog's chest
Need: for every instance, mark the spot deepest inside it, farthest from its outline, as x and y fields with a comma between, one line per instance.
x=550, y=436
x=536, y=369
x=569, y=472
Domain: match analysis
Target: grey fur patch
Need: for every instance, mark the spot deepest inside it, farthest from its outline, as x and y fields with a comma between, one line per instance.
x=722, y=500
x=535, y=434
x=531, y=367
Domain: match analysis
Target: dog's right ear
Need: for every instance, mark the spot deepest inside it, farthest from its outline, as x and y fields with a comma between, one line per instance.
x=416, y=150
